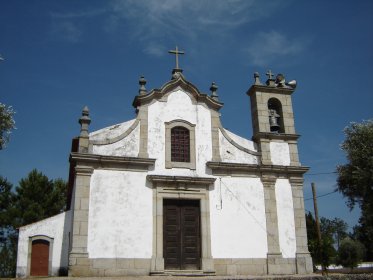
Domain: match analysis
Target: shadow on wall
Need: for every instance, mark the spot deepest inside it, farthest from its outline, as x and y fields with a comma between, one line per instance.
x=66, y=244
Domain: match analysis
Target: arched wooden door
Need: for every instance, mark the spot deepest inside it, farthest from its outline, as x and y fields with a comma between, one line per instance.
x=39, y=258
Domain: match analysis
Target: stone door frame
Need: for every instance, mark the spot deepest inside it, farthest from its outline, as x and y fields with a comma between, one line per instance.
x=50, y=257
x=175, y=187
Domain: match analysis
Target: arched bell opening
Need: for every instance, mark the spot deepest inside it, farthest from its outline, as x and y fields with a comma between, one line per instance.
x=276, y=120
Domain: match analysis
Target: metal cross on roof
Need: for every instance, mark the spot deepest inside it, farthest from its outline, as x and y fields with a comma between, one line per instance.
x=269, y=74
x=176, y=52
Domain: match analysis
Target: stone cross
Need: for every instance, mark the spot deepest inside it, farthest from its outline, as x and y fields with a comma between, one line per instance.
x=176, y=52
x=269, y=74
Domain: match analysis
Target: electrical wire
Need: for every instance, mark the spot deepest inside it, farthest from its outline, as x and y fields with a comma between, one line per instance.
x=329, y=193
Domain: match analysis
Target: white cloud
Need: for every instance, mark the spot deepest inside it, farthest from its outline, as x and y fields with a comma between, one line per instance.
x=272, y=45
x=155, y=49
x=66, y=30
x=189, y=19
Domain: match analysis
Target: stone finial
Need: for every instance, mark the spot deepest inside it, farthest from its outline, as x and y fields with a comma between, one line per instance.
x=176, y=73
x=142, y=83
x=84, y=121
x=214, y=89
x=256, y=79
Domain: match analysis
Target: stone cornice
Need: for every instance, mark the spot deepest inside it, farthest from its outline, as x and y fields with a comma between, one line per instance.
x=170, y=86
x=181, y=179
x=264, y=88
x=111, y=162
x=274, y=136
x=228, y=168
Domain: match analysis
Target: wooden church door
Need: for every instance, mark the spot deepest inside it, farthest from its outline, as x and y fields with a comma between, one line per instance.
x=181, y=234
x=39, y=258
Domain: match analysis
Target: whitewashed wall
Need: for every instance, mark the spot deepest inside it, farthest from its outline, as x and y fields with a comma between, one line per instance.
x=285, y=214
x=238, y=222
x=128, y=146
x=280, y=154
x=56, y=227
x=230, y=153
x=120, y=215
x=179, y=106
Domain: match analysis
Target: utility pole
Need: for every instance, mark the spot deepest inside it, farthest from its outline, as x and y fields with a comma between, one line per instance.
x=317, y=224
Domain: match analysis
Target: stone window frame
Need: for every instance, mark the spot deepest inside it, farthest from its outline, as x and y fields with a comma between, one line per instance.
x=50, y=257
x=192, y=144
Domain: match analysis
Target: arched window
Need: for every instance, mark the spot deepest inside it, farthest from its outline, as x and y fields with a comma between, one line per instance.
x=180, y=144
x=276, y=121
x=180, y=150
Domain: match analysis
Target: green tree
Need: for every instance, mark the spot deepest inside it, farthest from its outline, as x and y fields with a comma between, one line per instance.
x=324, y=253
x=7, y=232
x=355, y=178
x=6, y=197
x=7, y=124
x=350, y=253
x=35, y=198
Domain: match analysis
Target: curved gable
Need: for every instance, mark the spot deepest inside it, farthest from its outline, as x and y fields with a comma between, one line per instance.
x=178, y=81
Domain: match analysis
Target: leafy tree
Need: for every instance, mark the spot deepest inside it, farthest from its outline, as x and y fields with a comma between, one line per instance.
x=35, y=198
x=6, y=197
x=340, y=230
x=7, y=124
x=323, y=253
x=350, y=253
x=355, y=178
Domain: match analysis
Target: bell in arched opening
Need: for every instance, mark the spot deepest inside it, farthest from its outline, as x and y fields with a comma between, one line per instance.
x=275, y=115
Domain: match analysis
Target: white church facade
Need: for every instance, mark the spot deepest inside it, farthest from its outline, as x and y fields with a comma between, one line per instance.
x=173, y=192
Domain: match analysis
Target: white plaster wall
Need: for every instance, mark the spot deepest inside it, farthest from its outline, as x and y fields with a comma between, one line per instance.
x=128, y=146
x=120, y=215
x=280, y=154
x=56, y=227
x=111, y=131
x=230, y=153
x=285, y=214
x=238, y=222
x=179, y=106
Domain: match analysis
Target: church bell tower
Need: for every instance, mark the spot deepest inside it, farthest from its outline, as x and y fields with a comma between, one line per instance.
x=272, y=117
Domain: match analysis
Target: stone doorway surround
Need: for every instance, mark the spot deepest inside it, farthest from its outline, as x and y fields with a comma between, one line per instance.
x=50, y=255
x=181, y=187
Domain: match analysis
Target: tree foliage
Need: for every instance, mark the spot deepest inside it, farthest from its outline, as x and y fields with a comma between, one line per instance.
x=355, y=178
x=350, y=253
x=324, y=253
x=35, y=198
x=7, y=124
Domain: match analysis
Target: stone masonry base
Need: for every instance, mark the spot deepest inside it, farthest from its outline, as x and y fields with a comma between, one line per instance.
x=273, y=265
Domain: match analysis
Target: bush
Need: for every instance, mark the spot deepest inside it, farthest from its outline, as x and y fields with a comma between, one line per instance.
x=350, y=253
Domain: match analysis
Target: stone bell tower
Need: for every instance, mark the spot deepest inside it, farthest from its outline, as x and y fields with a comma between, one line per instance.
x=273, y=119
x=274, y=133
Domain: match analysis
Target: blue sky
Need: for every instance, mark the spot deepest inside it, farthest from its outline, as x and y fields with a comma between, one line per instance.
x=63, y=55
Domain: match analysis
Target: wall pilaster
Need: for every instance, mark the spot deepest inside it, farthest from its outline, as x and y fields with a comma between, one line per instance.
x=303, y=257
x=78, y=256
x=143, y=117
x=274, y=255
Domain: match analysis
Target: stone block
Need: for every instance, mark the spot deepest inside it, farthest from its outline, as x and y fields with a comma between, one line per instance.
x=220, y=269
x=231, y=269
x=125, y=263
x=84, y=203
x=82, y=261
x=104, y=263
x=142, y=264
